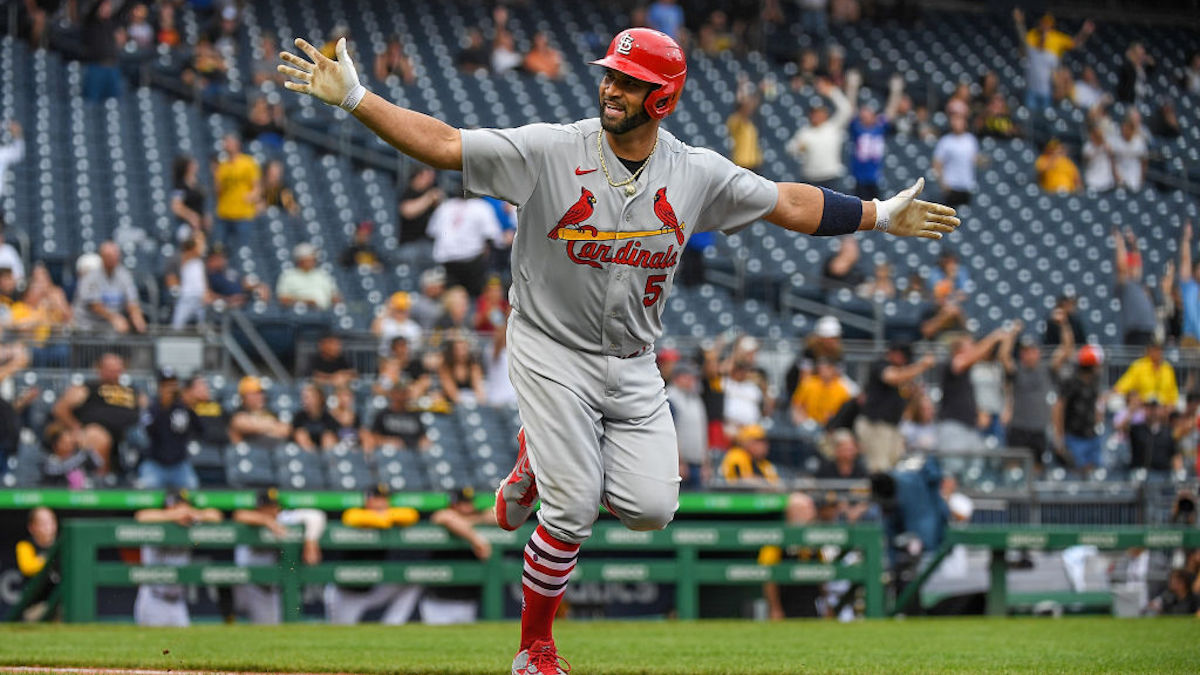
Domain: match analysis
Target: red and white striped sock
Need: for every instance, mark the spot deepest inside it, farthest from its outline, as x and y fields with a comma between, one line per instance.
x=548, y=565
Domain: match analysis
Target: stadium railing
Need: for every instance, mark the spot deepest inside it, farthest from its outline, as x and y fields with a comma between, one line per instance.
x=682, y=565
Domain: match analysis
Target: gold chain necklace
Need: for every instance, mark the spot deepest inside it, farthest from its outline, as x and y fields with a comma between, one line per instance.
x=628, y=183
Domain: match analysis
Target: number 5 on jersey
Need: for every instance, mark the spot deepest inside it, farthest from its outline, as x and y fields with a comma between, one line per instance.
x=654, y=284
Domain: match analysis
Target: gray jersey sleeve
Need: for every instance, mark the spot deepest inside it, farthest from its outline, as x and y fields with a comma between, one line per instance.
x=504, y=163
x=736, y=196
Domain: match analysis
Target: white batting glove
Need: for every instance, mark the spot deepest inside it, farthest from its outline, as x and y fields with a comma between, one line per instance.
x=906, y=216
x=334, y=82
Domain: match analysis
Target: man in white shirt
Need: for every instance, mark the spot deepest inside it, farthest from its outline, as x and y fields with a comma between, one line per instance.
x=8, y=255
x=819, y=145
x=12, y=152
x=1097, y=162
x=306, y=283
x=461, y=229
x=954, y=160
x=193, y=284
x=1129, y=153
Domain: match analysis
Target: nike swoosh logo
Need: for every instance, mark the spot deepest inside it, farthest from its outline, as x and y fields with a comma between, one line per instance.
x=579, y=171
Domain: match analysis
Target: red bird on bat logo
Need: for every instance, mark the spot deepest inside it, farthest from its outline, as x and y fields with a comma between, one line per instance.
x=578, y=213
x=662, y=209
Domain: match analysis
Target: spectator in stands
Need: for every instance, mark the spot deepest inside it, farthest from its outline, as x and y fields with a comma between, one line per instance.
x=1133, y=84
x=238, y=182
x=959, y=102
x=461, y=375
x=880, y=286
x=461, y=230
x=1064, y=309
x=1151, y=376
x=746, y=462
x=189, y=198
x=792, y=600
x=347, y=604
x=168, y=35
x=1189, y=76
x=262, y=604
x=11, y=152
x=825, y=341
x=890, y=381
x=394, y=321
x=542, y=59
x=868, y=135
x=954, y=160
x=397, y=424
x=1099, y=174
x=821, y=393
x=691, y=426
x=456, y=312
x=265, y=123
x=714, y=36
x=492, y=308
x=194, y=295
x=841, y=269
x=743, y=134
x=345, y=413
x=1056, y=172
x=103, y=39
x=1189, y=290
x=1178, y=599
x=227, y=284
x=836, y=73
x=445, y=605
x=989, y=86
x=214, y=421
x=505, y=56
x=265, y=60
x=666, y=16
x=208, y=71
x=474, y=56
x=166, y=604
x=1030, y=382
x=99, y=412
x=253, y=422
x=1164, y=124
x=919, y=428
x=1151, y=443
x=307, y=284
x=988, y=384
x=397, y=366
x=313, y=428
x=31, y=559
x=42, y=310
x=462, y=517
x=745, y=390
x=393, y=61
x=67, y=464
x=275, y=191
x=1088, y=92
x=1077, y=411
x=427, y=305
x=1137, y=306
x=1043, y=47
x=361, y=252
x=498, y=388
x=1130, y=154
x=819, y=145
x=421, y=196
x=846, y=464
x=107, y=297
x=173, y=426
x=959, y=414
x=331, y=367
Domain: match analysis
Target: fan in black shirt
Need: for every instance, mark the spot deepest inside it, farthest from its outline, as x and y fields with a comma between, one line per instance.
x=313, y=427
x=396, y=424
x=330, y=367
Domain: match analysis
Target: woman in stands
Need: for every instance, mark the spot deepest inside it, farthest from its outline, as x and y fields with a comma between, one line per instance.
x=313, y=427
x=461, y=374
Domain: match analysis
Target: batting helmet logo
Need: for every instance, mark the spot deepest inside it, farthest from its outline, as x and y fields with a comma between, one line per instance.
x=650, y=56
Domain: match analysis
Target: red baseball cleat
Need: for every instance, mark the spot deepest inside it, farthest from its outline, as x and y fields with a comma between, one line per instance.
x=517, y=492
x=540, y=659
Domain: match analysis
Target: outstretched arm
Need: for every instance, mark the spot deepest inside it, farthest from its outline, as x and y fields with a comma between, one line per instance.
x=1122, y=261
x=803, y=208
x=336, y=82
x=1185, y=254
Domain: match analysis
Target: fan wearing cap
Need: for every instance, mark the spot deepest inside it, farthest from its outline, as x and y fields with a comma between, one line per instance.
x=1078, y=410
x=746, y=463
x=253, y=421
x=227, y=284
x=825, y=341
x=173, y=426
x=821, y=393
x=1152, y=443
x=261, y=604
x=305, y=283
x=166, y=604
x=1150, y=376
x=331, y=367
x=605, y=207
x=361, y=253
x=348, y=604
x=394, y=320
x=427, y=305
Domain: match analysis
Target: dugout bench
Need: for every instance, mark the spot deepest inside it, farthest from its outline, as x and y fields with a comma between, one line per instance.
x=684, y=542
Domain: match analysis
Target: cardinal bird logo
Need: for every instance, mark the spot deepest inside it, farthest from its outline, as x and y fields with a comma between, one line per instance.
x=662, y=209
x=578, y=213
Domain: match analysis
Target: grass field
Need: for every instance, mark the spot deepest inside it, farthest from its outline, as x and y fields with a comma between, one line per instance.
x=1082, y=645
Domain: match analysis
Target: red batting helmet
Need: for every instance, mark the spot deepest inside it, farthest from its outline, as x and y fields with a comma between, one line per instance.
x=650, y=56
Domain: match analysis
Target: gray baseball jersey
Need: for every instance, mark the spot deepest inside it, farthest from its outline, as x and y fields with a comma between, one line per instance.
x=591, y=265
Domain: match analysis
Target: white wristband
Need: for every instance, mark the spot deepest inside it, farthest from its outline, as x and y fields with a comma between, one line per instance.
x=353, y=98
x=882, y=216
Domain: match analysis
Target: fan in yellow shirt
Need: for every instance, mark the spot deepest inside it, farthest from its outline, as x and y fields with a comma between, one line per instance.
x=820, y=393
x=378, y=513
x=746, y=462
x=746, y=150
x=238, y=181
x=1056, y=172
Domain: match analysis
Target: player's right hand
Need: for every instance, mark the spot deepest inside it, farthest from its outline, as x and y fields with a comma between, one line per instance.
x=330, y=81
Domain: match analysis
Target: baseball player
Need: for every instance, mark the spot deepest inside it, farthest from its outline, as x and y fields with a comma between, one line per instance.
x=604, y=210
x=166, y=604
x=261, y=604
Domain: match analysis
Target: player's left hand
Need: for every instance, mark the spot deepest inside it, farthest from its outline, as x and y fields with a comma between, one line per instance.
x=334, y=82
x=906, y=216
